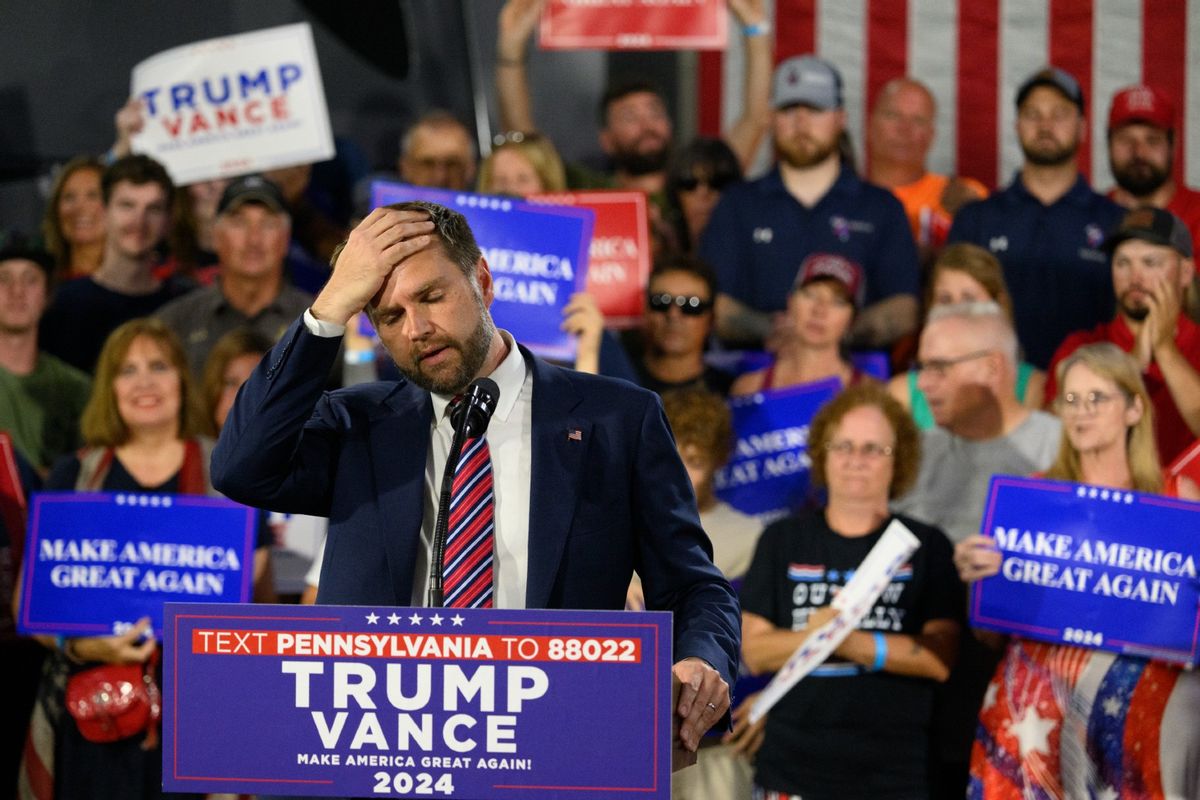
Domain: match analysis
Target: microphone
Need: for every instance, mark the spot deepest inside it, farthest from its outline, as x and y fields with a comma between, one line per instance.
x=470, y=418
x=475, y=409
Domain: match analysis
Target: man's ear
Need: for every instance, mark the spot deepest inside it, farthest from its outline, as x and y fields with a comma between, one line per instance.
x=483, y=277
x=1187, y=271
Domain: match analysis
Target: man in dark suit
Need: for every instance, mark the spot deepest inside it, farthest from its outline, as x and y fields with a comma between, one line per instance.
x=588, y=486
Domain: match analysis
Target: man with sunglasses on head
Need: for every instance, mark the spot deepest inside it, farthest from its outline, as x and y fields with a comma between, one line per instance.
x=967, y=368
x=1152, y=268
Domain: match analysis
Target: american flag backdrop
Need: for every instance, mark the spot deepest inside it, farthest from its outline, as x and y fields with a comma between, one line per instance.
x=973, y=54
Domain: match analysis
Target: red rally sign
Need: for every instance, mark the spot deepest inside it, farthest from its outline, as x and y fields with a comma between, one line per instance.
x=619, y=256
x=634, y=25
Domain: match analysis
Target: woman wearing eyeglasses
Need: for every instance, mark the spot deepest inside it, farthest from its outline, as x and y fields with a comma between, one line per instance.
x=820, y=311
x=858, y=725
x=1108, y=725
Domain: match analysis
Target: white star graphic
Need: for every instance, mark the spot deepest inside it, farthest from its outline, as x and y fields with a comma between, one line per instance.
x=457, y=620
x=436, y=619
x=415, y=619
x=372, y=618
x=1112, y=706
x=989, y=697
x=1108, y=793
x=393, y=618
x=1032, y=733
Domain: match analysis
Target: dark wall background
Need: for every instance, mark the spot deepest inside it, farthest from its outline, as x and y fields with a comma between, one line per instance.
x=65, y=66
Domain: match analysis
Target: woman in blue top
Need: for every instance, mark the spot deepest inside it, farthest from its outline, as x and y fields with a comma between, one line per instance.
x=966, y=273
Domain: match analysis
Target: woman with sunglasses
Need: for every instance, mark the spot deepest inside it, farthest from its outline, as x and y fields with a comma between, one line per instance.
x=1111, y=725
x=695, y=179
x=858, y=726
x=820, y=311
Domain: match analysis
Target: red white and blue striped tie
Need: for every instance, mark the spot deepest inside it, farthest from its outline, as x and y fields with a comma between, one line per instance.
x=467, y=571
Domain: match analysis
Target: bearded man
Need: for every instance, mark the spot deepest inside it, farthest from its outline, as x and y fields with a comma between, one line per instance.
x=812, y=201
x=1048, y=225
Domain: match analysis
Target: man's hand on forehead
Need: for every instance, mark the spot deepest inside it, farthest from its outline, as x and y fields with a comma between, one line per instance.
x=379, y=244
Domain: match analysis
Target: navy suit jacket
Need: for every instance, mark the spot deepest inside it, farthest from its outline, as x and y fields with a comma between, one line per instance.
x=613, y=499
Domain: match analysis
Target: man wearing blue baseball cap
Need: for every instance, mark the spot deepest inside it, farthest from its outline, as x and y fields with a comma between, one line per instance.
x=762, y=231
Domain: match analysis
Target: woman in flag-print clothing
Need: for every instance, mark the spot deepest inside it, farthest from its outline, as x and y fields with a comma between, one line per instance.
x=1066, y=722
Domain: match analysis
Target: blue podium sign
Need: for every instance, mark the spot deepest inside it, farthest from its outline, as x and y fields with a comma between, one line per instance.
x=538, y=255
x=404, y=702
x=97, y=562
x=1095, y=567
x=768, y=472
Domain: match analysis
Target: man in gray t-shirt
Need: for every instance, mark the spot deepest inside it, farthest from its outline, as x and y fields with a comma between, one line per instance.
x=967, y=370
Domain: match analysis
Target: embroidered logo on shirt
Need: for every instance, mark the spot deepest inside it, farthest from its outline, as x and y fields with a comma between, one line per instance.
x=763, y=235
x=1095, y=236
x=998, y=244
x=842, y=227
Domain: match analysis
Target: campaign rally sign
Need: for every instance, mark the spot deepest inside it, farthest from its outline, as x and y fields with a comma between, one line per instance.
x=96, y=562
x=233, y=105
x=634, y=25
x=356, y=701
x=1095, y=567
x=1187, y=464
x=619, y=256
x=768, y=472
x=538, y=255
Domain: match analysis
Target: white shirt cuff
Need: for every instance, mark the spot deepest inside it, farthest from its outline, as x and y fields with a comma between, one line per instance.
x=318, y=327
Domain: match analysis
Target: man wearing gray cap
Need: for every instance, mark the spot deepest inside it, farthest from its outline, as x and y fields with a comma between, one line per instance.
x=250, y=235
x=761, y=231
x=1152, y=265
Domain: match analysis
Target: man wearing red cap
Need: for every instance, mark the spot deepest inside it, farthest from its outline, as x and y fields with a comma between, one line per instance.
x=1141, y=152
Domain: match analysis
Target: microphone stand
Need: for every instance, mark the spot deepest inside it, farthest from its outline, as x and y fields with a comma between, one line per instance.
x=436, y=600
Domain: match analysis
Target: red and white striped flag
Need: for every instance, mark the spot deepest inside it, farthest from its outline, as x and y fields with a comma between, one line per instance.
x=973, y=54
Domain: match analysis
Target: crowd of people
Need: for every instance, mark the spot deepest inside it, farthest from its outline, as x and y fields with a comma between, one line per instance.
x=1040, y=328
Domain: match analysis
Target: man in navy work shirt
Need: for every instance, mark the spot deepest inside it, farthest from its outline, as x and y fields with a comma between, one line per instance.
x=1048, y=226
x=761, y=231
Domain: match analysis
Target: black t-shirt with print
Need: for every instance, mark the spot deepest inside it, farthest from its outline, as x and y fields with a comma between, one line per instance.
x=844, y=731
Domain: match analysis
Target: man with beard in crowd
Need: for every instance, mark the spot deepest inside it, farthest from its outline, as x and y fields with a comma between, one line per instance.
x=1151, y=267
x=1141, y=153
x=761, y=231
x=1047, y=227
x=636, y=128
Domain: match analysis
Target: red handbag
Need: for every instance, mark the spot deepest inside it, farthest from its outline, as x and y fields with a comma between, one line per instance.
x=115, y=701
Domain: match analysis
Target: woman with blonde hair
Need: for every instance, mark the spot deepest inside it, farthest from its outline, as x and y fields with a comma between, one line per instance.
x=966, y=273
x=522, y=164
x=73, y=222
x=1112, y=725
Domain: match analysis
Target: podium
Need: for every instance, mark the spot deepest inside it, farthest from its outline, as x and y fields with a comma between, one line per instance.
x=350, y=701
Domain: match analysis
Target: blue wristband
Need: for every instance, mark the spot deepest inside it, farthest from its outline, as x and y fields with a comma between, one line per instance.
x=880, y=652
x=757, y=29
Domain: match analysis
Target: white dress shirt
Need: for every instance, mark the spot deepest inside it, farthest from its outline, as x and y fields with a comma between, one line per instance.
x=509, y=437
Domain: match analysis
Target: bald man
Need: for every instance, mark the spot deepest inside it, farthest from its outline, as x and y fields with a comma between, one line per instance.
x=900, y=133
x=967, y=368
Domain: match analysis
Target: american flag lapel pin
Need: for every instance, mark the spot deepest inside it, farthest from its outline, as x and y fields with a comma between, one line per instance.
x=574, y=435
